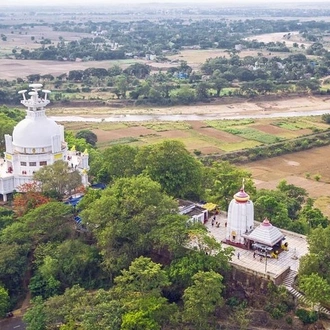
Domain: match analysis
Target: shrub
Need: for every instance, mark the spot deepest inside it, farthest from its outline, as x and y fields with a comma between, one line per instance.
x=306, y=317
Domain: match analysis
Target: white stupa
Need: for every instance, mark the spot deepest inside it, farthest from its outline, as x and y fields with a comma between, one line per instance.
x=240, y=218
x=36, y=141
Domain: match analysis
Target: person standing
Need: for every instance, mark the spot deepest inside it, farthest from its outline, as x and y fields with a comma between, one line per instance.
x=238, y=255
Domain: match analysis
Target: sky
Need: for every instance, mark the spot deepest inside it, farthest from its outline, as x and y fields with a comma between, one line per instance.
x=108, y=2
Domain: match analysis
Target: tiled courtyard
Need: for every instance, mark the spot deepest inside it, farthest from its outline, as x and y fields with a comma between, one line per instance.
x=297, y=245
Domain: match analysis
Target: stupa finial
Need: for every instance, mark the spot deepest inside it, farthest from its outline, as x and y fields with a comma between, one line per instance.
x=35, y=102
x=243, y=182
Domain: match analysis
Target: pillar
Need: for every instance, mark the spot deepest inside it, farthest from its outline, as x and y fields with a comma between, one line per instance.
x=4, y=197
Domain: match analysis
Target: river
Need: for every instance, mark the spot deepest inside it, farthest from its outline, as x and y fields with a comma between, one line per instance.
x=193, y=117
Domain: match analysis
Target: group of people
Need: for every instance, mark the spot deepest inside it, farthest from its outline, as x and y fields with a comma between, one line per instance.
x=214, y=222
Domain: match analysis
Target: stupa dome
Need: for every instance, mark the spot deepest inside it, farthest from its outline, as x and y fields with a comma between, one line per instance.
x=35, y=132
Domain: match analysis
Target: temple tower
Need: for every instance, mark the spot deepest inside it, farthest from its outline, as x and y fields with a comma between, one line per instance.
x=240, y=218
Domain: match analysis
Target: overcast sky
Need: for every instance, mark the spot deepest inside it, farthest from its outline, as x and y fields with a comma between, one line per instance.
x=108, y=2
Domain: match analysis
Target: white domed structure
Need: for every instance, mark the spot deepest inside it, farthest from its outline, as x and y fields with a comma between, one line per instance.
x=37, y=141
x=35, y=133
x=240, y=218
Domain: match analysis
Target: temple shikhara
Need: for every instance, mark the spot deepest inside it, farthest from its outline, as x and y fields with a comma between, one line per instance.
x=265, y=238
x=36, y=141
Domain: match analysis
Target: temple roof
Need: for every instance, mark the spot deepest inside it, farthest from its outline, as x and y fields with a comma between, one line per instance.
x=266, y=234
x=241, y=196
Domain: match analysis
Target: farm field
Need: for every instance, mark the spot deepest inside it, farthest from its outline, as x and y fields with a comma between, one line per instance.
x=294, y=168
x=214, y=137
x=208, y=136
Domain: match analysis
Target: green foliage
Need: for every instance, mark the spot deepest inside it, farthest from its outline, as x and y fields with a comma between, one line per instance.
x=6, y=127
x=126, y=218
x=80, y=144
x=35, y=316
x=58, y=179
x=199, y=307
x=117, y=162
x=253, y=134
x=307, y=317
x=326, y=118
x=316, y=288
x=143, y=276
x=223, y=124
x=208, y=256
x=4, y=301
x=223, y=180
x=278, y=301
x=88, y=136
x=170, y=164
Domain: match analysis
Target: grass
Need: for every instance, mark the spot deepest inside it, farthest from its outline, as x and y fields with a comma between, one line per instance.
x=124, y=140
x=168, y=126
x=295, y=125
x=109, y=126
x=222, y=124
x=228, y=147
x=253, y=134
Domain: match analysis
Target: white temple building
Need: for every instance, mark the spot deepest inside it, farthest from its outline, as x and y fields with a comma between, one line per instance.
x=240, y=218
x=36, y=141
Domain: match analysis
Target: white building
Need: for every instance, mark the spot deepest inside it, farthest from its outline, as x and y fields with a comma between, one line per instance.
x=36, y=141
x=240, y=218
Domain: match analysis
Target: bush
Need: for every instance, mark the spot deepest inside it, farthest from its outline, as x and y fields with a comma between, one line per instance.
x=326, y=118
x=306, y=317
x=289, y=320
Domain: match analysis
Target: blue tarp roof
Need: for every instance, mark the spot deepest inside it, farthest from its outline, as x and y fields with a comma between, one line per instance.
x=73, y=201
x=98, y=185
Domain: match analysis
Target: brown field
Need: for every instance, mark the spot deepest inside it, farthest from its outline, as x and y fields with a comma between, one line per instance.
x=293, y=168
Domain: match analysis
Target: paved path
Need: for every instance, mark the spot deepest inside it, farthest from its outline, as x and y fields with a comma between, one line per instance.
x=14, y=323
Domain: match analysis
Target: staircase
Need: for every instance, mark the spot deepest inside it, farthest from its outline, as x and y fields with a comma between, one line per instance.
x=289, y=280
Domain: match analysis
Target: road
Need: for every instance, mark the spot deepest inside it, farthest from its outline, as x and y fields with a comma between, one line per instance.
x=14, y=323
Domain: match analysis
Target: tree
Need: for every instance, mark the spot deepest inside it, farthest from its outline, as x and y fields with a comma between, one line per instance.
x=270, y=204
x=35, y=316
x=4, y=301
x=184, y=95
x=218, y=83
x=223, y=180
x=30, y=197
x=143, y=275
x=125, y=217
x=88, y=135
x=296, y=196
x=139, y=70
x=199, y=307
x=318, y=259
x=6, y=127
x=316, y=288
x=118, y=162
x=58, y=179
x=207, y=255
x=170, y=164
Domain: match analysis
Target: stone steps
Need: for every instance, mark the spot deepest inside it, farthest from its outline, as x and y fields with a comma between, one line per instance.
x=302, y=298
x=289, y=279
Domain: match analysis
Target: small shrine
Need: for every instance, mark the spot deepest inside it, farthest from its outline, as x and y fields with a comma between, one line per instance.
x=266, y=239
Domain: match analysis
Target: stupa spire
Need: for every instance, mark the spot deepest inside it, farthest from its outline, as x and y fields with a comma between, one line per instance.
x=35, y=102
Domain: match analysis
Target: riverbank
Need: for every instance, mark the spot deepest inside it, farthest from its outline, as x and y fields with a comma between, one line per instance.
x=260, y=108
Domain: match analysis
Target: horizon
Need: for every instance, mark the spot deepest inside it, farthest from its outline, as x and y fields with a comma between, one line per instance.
x=88, y=3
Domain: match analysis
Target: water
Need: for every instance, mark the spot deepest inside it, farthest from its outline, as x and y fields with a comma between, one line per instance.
x=218, y=116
